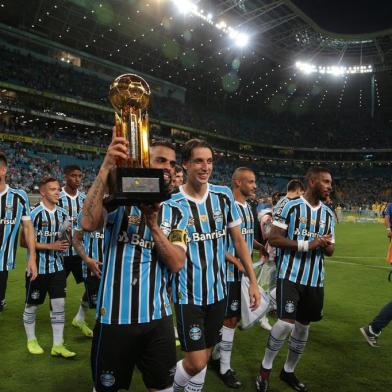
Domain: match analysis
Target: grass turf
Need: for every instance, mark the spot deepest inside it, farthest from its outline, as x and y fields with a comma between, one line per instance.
x=336, y=358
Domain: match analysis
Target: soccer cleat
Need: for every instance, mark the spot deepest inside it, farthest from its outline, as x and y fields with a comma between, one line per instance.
x=370, y=337
x=230, y=379
x=82, y=325
x=292, y=381
x=264, y=323
x=59, y=350
x=261, y=384
x=34, y=347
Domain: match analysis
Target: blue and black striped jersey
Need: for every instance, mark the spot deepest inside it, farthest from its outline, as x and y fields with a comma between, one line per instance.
x=73, y=205
x=14, y=207
x=92, y=243
x=247, y=230
x=303, y=222
x=134, y=281
x=202, y=281
x=49, y=227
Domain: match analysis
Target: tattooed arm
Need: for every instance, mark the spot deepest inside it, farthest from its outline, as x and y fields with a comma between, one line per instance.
x=93, y=210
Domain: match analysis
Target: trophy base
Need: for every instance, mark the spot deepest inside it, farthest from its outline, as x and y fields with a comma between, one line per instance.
x=132, y=186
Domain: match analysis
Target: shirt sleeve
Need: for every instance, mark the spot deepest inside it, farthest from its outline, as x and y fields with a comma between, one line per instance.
x=178, y=233
x=26, y=207
x=281, y=215
x=233, y=216
x=388, y=210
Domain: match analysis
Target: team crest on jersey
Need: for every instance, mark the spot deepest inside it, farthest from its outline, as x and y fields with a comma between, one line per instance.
x=107, y=379
x=234, y=306
x=218, y=216
x=191, y=221
x=166, y=228
x=134, y=219
x=289, y=307
x=204, y=218
x=195, y=332
x=302, y=219
x=35, y=294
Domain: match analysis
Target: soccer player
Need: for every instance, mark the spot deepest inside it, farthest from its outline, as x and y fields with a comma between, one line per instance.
x=303, y=230
x=90, y=248
x=143, y=245
x=199, y=289
x=388, y=226
x=50, y=224
x=14, y=211
x=243, y=187
x=178, y=178
x=71, y=199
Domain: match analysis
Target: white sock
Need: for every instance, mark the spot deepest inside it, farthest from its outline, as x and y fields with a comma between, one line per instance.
x=196, y=383
x=226, y=347
x=57, y=319
x=297, y=343
x=83, y=308
x=278, y=335
x=29, y=321
x=181, y=378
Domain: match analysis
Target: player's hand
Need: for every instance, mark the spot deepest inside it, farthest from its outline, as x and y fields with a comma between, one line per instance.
x=314, y=244
x=31, y=269
x=264, y=253
x=93, y=266
x=325, y=240
x=150, y=212
x=117, y=150
x=254, y=296
x=60, y=245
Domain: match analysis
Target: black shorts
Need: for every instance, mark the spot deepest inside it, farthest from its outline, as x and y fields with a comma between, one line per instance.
x=74, y=264
x=116, y=349
x=54, y=284
x=91, y=283
x=233, y=300
x=199, y=326
x=299, y=302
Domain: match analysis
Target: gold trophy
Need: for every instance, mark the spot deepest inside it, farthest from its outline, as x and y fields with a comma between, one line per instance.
x=132, y=181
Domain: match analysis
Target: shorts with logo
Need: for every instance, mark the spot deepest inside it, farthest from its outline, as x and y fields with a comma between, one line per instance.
x=233, y=299
x=74, y=264
x=54, y=284
x=91, y=283
x=299, y=302
x=117, y=349
x=199, y=326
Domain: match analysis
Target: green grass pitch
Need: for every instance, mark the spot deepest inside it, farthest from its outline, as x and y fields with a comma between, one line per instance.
x=336, y=357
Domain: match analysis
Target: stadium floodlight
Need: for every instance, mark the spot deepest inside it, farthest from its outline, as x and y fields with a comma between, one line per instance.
x=335, y=70
x=185, y=6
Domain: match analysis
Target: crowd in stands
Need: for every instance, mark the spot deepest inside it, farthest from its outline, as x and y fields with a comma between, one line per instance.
x=29, y=163
x=269, y=128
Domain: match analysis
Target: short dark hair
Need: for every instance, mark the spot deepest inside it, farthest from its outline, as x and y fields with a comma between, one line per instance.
x=70, y=168
x=45, y=180
x=315, y=171
x=3, y=159
x=162, y=143
x=294, y=185
x=190, y=145
x=178, y=169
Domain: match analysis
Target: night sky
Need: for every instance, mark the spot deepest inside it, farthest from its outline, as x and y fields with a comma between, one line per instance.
x=347, y=16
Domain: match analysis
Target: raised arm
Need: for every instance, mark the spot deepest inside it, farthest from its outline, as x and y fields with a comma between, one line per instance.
x=93, y=210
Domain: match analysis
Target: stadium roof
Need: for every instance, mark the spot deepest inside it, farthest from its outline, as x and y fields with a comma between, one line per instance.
x=153, y=37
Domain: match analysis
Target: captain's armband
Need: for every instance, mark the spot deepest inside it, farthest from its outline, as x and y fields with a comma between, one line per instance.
x=178, y=237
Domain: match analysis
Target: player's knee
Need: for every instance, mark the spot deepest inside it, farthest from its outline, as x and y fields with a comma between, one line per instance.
x=231, y=322
x=194, y=366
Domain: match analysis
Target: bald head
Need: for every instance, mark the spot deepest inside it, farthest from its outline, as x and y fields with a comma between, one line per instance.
x=243, y=180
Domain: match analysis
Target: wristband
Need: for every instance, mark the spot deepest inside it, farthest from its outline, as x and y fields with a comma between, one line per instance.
x=306, y=246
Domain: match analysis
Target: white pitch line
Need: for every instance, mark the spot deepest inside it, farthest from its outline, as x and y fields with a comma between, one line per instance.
x=357, y=264
x=357, y=257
